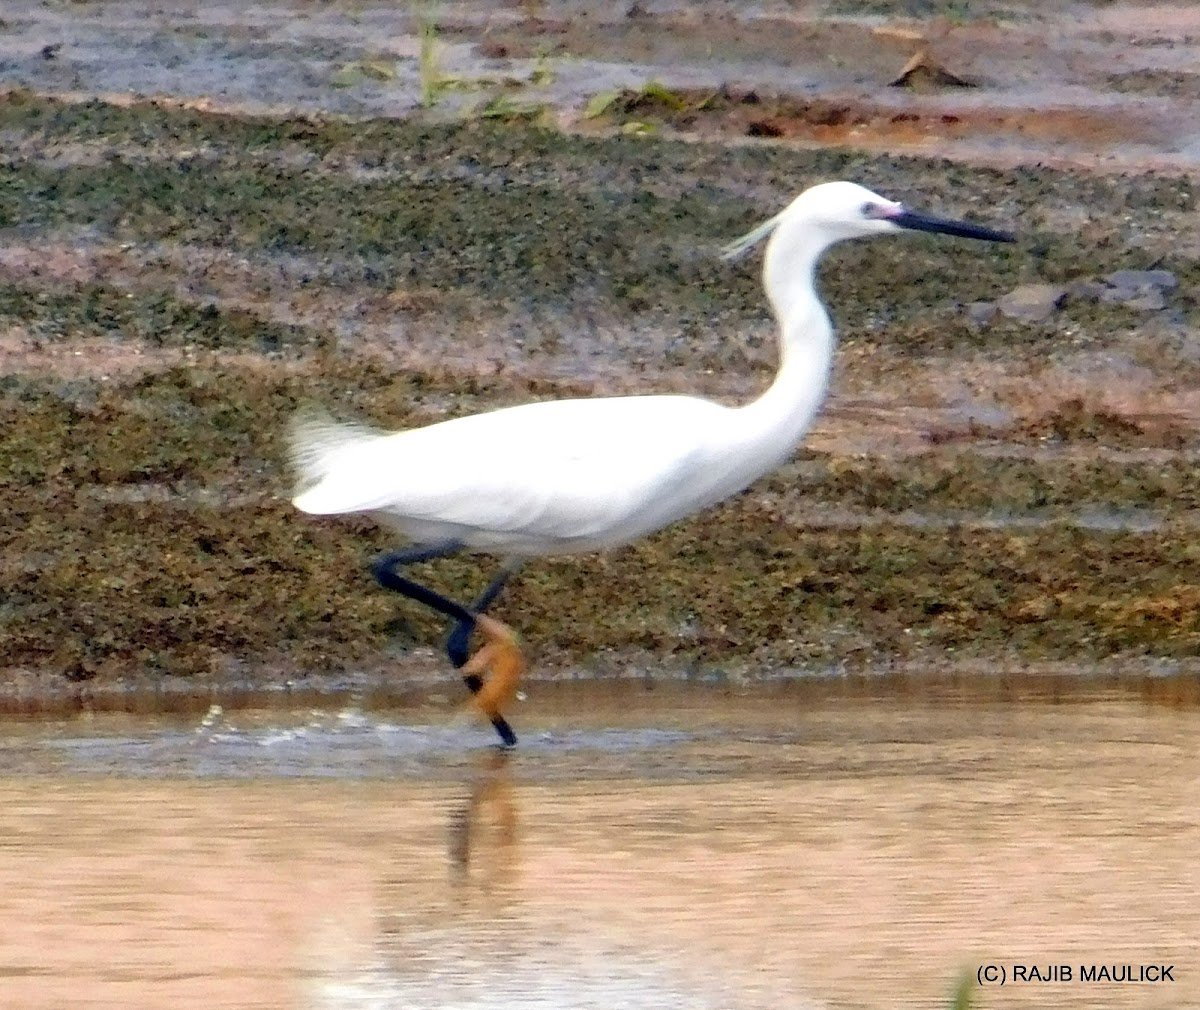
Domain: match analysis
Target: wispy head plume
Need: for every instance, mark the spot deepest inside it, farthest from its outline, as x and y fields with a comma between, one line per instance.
x=739, y=247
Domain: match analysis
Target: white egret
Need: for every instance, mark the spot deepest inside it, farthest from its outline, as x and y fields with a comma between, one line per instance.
x=567, y=476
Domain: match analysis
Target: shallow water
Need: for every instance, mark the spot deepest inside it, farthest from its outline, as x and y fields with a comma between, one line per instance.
x=689, y=850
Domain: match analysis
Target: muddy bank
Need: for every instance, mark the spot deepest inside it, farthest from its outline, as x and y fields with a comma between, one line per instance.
x=1108, y=85
x=174, y=283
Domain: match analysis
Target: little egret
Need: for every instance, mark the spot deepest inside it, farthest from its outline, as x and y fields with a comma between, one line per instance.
x=568, y=476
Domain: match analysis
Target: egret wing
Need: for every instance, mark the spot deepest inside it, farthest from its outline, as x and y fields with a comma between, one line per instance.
x=562, y=469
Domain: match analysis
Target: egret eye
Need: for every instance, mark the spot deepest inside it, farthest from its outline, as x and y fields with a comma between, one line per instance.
x=871, y=210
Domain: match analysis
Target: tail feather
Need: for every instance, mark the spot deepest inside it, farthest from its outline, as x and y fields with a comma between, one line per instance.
x=316, y=442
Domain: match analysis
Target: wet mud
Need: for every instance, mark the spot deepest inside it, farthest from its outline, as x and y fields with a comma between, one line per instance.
x=308, y=209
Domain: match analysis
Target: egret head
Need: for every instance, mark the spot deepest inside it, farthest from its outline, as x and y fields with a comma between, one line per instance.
x=835, y=211
x=821, y=216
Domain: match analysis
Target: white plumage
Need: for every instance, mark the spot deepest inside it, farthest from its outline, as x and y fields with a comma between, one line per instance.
x=578, y=475
x=536, y=479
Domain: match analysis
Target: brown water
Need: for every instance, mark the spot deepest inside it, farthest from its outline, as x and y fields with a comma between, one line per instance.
x=689, y=850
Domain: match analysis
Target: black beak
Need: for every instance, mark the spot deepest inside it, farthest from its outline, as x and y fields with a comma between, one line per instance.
x=942, y=226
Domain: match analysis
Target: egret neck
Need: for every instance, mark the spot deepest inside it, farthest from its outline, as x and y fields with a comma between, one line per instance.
x=770, y=427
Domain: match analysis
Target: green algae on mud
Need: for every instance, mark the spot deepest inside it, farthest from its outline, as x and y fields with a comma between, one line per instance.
x=208, y=422
x=524, y=213
x=159, y=319
x=97, y=587
x=147, y=531
x=149, y=528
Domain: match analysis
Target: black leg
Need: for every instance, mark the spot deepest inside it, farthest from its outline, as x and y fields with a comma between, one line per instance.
x=384, y=568
x=458, y=645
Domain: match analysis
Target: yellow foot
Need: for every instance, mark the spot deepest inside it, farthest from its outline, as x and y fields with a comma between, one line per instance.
x=499, y=662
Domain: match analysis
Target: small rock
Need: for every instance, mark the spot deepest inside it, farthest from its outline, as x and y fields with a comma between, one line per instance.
x=1147, y=299
x=1087, y=291
x=1118, y=296
x=764, y=128
x=1151, y=300
x=1032, y=302
x=1140, y=280
x=490, y=49
x=923, y=71
x=981, y=313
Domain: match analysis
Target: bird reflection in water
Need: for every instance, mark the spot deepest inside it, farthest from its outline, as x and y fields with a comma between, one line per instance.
x=483, y=827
